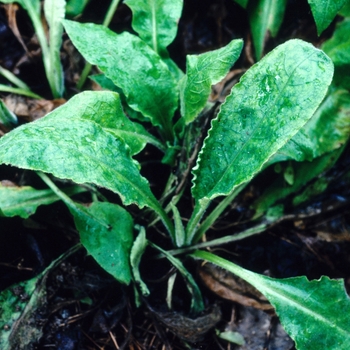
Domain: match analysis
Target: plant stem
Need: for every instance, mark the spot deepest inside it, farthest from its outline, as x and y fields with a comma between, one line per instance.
x=72, y=206
x=197, y=304
x=111, y=10
x=39, y=30
x=198, y=211
x=210, y=219
x=106, y=22
x=220, y=241
x=166, y=221
x=55, y=189
x=19, y=91
x=13, y=79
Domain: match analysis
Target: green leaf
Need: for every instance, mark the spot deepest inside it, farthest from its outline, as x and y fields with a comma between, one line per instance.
x=324, y=11
x=180, y=234
x=314, y=313
x=19, y=91
x=54, y=11
x=242, y=3
x=303, y=173
x=23, y=201
x=203, y=71
x=51, y=60
x=133, y=66
x=273, y=100
x=106, y=231
x=105, y=109
x=338, y=49
x=265, y=16
x=7, y=118
x=134, y=134
x=156, y=21
x=68, y=144
x=76, y=7
x=327, y=130
x=138, y=248
x=107, y=84
x=345, y=10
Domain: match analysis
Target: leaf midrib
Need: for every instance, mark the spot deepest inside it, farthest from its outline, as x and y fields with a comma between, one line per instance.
x=105, y=165
x=252, y=134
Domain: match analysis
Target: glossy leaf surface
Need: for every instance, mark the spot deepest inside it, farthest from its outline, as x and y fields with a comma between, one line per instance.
x=314, y=313
x=156, y=21
x=338, y=49
x=23, y=201
x=265, y=16
x=68, y=144
x=133, y=66
x=203, y=71
x=273, y=100
x=327, y=130
x=106, y=231
x=324, y=11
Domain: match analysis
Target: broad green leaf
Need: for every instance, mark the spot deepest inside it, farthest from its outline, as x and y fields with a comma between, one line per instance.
x=273, y=100
x=133, y=66
x=345, y=10
x=106, y=231
x=314, y=313
x=23, y=201
x=242, y=3
x=156, y=21
x=7, y=118
x=265, y=16
x=303, y=173
x=70, y=146
x=173, y=68
x=203, y=71
x=54, y=11
x=134, y=134
x=107, y=84
x=327, y=130
x=324, y=11
x=338, y=49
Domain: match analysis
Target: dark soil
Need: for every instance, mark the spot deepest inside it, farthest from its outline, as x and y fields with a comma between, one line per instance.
x=85, y=307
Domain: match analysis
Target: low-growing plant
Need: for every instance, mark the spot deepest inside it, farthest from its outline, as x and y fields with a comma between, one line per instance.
x=277, y=112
